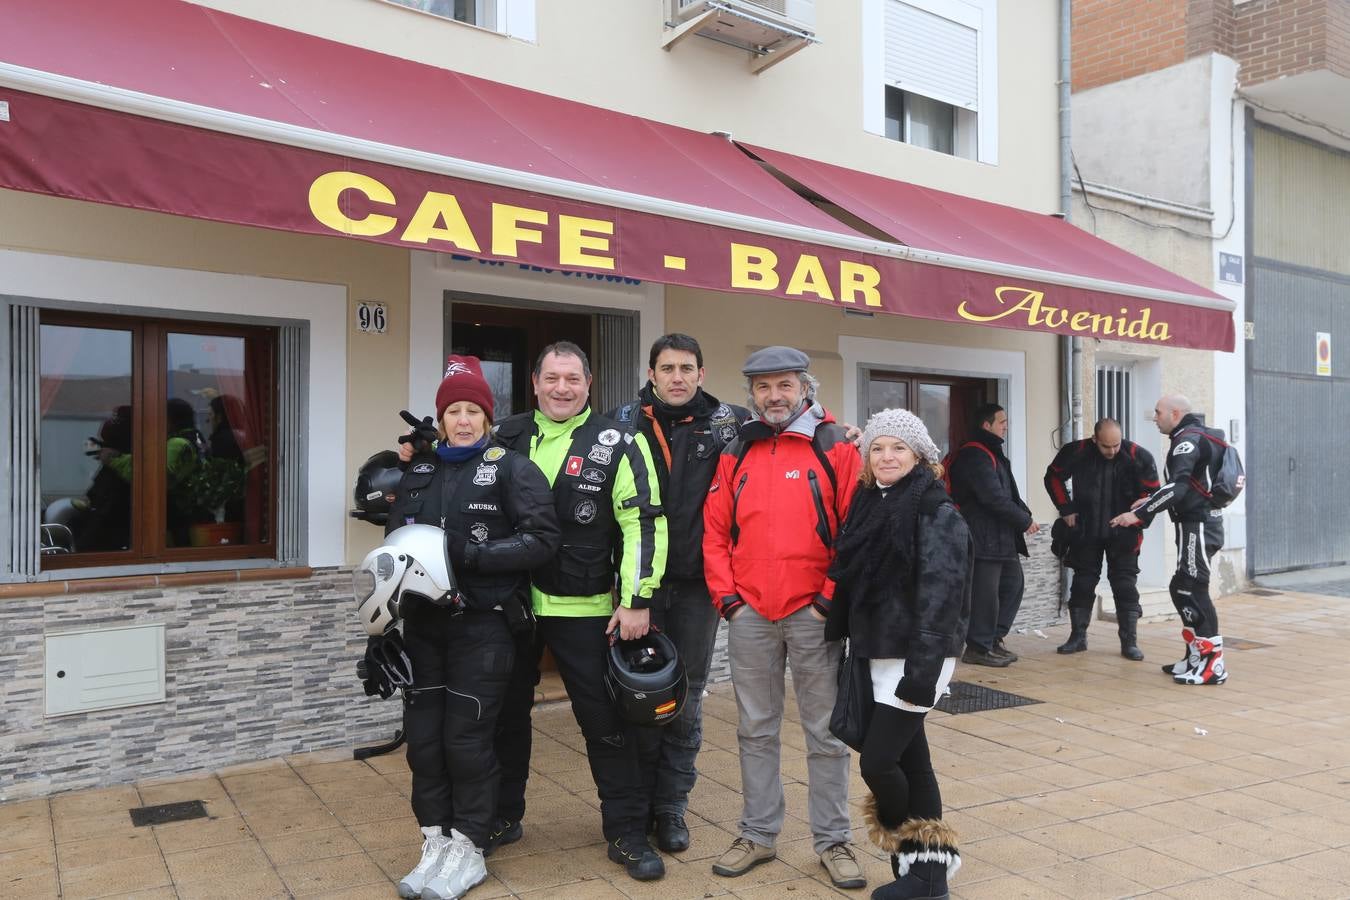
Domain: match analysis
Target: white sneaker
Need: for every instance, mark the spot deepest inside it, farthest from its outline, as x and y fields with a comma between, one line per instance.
x=433, y=851
x=461, y=869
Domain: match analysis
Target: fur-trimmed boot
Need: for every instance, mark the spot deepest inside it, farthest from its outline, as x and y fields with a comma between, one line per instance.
x=926, y=856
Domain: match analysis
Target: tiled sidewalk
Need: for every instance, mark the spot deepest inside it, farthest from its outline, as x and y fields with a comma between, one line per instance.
x=1118, y=784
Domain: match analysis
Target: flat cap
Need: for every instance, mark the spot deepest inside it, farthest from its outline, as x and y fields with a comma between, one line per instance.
x=776, y=359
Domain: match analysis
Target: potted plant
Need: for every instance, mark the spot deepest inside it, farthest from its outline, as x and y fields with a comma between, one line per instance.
x=215, y=483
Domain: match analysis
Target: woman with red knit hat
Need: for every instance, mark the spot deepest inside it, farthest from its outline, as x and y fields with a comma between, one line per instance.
x=498, y=515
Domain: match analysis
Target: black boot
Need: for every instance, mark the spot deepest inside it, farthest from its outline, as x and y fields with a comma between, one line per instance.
x=1078, y=623
x=1127, y=627
x=923, y=881
x=927, y=856
x=672, y=834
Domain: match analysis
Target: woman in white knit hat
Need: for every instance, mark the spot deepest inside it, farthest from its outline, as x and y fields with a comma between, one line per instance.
x=902, y=569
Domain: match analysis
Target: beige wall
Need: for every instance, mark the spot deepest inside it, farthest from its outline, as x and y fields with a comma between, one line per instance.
x=729, y=326
x=1180, y=244
x=377, y=364
x=608, y=53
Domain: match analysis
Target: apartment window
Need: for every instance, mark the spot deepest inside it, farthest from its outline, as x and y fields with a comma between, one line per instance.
x=934, y=67
x=156, y=440
x=1115, y=396
x=482, y=13
x=919, y=120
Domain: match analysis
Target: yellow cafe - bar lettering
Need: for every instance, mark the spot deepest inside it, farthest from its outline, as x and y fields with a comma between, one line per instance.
x=439, y=219
x=1035, y=312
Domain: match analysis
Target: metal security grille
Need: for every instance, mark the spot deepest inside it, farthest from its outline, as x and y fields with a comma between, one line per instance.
x=292, y=446
x=21, y=497
x=972, y=698
x=167, y=812
x=1300, y=422
x=617, y=370
x=1115, y=396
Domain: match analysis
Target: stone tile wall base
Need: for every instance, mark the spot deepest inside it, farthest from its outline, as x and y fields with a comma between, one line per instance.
x=253, y=671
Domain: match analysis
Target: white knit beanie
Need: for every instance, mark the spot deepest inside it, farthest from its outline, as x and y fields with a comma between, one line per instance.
x=902, y=424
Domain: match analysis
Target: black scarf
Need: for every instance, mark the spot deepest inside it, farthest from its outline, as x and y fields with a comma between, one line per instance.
x=878, y=544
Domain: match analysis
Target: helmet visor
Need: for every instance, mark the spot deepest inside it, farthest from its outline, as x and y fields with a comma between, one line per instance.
x=363, y=584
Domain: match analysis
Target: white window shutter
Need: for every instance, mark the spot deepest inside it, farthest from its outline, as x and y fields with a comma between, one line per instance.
x=931, y=55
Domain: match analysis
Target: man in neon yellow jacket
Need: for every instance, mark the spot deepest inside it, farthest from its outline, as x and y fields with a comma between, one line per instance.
x=613, y=532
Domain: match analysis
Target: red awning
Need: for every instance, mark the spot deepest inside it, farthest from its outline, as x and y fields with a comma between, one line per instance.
x=170, y=106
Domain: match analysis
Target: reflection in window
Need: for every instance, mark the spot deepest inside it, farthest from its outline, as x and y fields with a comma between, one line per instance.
x=473, y=12
x=886, y=393
x=86, y=439
x=935, y=407
x=216, y=457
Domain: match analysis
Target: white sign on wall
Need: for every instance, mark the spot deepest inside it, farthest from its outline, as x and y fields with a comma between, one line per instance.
x=371, y=317
x=1323, y=353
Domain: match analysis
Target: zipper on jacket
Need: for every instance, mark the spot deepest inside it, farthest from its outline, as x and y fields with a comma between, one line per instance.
x=822, y=519
x=735, y=501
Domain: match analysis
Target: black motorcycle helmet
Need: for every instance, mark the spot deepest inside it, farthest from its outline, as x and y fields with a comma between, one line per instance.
x=646, y=679
x=376, y=487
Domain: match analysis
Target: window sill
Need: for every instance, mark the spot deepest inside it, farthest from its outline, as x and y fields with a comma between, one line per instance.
x=144, y=582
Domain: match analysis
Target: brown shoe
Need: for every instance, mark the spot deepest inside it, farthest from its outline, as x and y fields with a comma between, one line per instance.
x=843, y=867
x=743, y=855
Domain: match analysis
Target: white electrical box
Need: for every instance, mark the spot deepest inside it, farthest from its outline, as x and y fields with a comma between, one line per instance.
x=104, y=668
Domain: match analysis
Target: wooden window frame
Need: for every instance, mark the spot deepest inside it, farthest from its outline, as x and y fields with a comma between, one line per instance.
x=149, y=379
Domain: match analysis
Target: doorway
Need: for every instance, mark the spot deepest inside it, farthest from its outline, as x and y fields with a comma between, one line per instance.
x=508, y=339
x=945, y=403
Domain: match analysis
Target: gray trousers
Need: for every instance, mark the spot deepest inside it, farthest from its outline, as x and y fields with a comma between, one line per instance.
x=758, y=650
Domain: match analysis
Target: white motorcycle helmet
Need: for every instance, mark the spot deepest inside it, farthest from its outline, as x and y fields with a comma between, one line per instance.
x=412, y=564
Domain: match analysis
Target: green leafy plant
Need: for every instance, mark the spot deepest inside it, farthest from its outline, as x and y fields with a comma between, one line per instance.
x=214, y=483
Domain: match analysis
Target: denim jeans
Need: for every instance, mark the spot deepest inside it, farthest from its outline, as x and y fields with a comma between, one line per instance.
x=668, y=752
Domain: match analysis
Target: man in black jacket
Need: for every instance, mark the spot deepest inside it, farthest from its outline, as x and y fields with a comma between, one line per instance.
x=986, y=492
x=1108, y=474
x=1199, y=533
x=686, y=427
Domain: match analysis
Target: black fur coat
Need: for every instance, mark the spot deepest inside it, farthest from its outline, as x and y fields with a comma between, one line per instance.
x=923, y=622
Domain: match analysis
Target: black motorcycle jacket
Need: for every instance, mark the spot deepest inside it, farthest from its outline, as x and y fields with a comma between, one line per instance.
x=497, y=513
x=686, y=442
x=986, y=492
x=1184, y=495
x=1102, y=488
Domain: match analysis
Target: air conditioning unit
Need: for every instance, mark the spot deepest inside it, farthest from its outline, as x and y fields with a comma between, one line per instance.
x=772, y=30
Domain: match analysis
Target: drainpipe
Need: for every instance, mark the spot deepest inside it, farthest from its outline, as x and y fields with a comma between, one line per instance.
x=1070, y=348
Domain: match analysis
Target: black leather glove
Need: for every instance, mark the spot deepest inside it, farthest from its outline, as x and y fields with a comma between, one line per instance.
x=423, y=435
x=386, y=666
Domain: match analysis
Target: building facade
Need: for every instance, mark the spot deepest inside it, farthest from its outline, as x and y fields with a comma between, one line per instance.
x=226, y=265
x=1234, y=115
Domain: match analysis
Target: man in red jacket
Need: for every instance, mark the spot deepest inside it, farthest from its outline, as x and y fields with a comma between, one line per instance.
x=781, y=491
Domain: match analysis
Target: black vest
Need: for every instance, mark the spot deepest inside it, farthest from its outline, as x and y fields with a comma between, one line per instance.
x=584, y=566
x=468, y=501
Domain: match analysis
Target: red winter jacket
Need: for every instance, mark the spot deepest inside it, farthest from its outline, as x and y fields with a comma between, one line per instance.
x=769, y=524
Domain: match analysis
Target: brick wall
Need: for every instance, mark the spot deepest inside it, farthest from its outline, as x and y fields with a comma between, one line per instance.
x=1115, y=40
x=1118, y=39
x=253, y=671
x=1274, y=38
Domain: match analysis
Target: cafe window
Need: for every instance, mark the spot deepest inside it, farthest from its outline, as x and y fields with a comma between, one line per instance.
x=157, y=440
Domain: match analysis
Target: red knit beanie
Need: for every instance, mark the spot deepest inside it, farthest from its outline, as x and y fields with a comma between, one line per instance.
x=463, y=381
